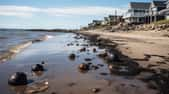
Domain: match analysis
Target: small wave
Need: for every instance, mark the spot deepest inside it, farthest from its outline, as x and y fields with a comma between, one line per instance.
x=46, y=37
x=49, y=36
x=14, y=50
x=18, y=48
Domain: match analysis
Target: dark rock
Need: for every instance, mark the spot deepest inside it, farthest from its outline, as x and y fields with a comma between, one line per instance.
x=77, y=44
x=95, y=90
x=101, y=65
x=37, y=67
x=37, y=40
x=82, y=49
x=43, y=62
x=103, y=73
x=72, y=56
x=53, y=93
x=71, y=84
x=84, y=66
x=70, y=44
x=112, y=58
x=116, y=57
x=19, y=78
x=94, y=50
x=95, y=67
x=88, y=59
x=89, y=63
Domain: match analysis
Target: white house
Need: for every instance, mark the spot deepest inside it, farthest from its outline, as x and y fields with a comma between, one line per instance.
x=137, y=12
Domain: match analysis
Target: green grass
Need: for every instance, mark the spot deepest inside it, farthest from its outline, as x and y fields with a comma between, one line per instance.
x=161, y=22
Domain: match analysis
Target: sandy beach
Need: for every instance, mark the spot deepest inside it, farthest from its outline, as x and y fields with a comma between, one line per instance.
x=145, y=47
x=103, y=76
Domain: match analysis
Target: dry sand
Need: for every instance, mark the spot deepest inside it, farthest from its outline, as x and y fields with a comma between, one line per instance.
x=145, y=47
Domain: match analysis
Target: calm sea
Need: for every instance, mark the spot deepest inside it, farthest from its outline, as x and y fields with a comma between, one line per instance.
x=10, y=38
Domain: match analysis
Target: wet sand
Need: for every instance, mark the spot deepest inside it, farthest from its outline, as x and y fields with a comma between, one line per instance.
x=62, y=72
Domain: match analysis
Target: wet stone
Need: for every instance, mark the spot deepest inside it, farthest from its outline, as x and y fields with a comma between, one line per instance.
x=94, y=50
x=84, y=66
x=82, y=49
x=37, y=67
x=19, y=78
x=103, y=73
x=77, y=44
x=101, y=65
x=72, y=56
x=88, y=59
x=112, y=58
x=71, y=84
x=89, y=63
x=95, y=67
x=43, y=62
x=53, y=93
x=95, y=90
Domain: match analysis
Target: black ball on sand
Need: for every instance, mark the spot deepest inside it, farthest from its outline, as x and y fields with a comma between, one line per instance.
x=37, y=67
x=18, y=78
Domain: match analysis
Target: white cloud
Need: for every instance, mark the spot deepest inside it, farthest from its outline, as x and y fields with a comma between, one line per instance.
x=26, y=11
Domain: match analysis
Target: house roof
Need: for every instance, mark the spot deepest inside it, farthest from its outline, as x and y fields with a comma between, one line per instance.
x=159, y=3
x=140, y=5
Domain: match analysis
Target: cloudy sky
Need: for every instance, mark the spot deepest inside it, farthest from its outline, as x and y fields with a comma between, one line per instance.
x=56, y=13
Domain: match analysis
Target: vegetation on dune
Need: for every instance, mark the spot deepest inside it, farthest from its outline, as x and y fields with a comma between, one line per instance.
x=161, y=22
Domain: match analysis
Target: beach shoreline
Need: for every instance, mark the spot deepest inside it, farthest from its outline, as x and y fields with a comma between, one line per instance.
x=137, y=44
x=129, y=69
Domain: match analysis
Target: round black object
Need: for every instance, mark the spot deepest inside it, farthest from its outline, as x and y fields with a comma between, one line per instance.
x=19, y=78
x=37, y=67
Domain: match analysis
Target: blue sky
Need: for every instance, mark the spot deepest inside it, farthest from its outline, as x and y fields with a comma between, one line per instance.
x=56, y=13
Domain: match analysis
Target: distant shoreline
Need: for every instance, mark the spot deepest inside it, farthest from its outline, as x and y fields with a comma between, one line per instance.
x=42, y=30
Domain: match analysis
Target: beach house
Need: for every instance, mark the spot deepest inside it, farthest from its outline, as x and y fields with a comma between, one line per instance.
x=112, y=19
x=95, y=23
x=137, y=12
x=155, y=7
x=166, y=10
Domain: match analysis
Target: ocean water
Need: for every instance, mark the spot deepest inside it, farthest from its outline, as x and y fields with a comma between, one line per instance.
x=11, y=38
